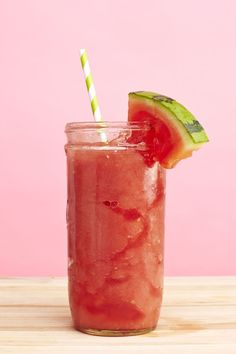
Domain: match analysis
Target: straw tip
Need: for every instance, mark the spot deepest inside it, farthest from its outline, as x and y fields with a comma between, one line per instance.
x=82, y=51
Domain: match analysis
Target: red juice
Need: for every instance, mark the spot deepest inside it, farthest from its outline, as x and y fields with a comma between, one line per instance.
x=115, y=219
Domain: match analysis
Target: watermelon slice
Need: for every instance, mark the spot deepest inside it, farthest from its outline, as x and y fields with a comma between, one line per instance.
x=176, y=132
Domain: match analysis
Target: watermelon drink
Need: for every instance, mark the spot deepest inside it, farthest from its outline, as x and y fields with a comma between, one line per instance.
x=115, y=211
x=115, y=220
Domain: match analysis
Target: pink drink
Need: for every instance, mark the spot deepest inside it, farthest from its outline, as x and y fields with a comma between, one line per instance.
x=115, y=222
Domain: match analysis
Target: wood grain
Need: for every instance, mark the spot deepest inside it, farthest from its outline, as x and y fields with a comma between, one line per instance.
x=198, y=316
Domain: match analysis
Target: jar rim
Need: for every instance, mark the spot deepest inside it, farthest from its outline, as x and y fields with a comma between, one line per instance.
x=121, y=125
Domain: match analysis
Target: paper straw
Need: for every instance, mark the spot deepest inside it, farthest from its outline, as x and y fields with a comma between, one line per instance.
x=91, y=91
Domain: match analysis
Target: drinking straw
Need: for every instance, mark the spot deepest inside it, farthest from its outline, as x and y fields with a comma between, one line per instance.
x=91, y=91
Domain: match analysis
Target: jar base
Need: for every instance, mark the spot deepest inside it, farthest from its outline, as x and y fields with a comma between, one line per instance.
x=115, y=333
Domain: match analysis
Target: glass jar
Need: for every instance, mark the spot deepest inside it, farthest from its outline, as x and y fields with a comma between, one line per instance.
x=115, y=221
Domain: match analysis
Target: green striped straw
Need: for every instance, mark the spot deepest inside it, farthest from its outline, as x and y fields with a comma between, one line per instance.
x=91, y=91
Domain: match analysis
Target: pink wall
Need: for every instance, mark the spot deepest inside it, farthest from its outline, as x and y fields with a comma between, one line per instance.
x=183, y=48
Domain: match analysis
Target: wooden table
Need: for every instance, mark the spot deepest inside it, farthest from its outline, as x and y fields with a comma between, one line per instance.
x=198, y=316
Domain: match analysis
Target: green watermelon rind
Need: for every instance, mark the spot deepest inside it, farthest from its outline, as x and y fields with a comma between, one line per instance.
x=169, y=106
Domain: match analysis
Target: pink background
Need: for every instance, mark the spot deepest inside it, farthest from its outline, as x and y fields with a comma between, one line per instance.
x=185, y=49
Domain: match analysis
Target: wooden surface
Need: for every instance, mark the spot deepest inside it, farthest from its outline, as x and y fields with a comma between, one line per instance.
x=198, y=316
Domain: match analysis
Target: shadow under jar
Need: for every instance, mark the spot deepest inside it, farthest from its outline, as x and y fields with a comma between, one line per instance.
x=115, y=222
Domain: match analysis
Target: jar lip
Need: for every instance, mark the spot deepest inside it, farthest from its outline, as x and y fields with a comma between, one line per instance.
x=121, y=125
